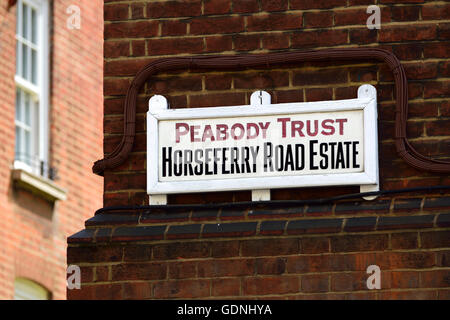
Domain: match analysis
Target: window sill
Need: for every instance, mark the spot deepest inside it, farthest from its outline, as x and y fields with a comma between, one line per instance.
x=40, y=185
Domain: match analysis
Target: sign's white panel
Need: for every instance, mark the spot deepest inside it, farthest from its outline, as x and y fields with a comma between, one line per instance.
x=261, y=146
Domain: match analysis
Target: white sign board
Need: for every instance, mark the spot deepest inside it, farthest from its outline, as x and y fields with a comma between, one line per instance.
x=263, y=145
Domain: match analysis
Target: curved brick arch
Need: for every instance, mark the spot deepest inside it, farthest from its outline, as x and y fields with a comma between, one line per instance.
x=236, y=62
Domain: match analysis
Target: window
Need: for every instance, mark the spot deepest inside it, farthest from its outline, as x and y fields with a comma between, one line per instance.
x=31, y=119
x=25, y=289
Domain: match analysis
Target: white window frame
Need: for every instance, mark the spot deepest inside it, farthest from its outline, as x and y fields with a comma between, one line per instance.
x=40, y=91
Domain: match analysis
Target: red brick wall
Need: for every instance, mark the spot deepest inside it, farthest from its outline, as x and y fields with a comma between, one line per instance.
x=417, y=32
x=33, y=233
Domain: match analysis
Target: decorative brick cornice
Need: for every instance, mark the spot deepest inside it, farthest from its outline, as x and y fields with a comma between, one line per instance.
x=380, y=215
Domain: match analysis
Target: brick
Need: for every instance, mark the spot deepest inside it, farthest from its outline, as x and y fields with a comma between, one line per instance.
x=115, y=12
x=173, y=9
x=437, y=128
x=86, y=235
x=349, y=281
x=402, y=279
x=139, y=271
x=272, y=227
x=405, y=222
x=198, y=215
x=405, y=13
x=229, y=229
x=138, y=48
x=217, y=99
x=443, y=31
x=274, y=21
x=269, y=247
x=112, y=219
x=320, y=263
x=408, y=51
x=190, y=231
x=138, y=29
x=179, y=250
x=219, y=43
x=268, y=285
x=137, y=290
x=320, y=19
x=97, y=292
x=436, y=12
x=214, y=25
x=261, y=80
x=126, y=67
x=362, y=36
x=351, y=243
x=225, y=287
x=421, y=71
x=225, y=268
x=181, y=289
x=319, y=209
x=304, y=39
x=138, y=10
x=443, y=258
x=270, y=266
x=406, y=240
x=314, y=283
x=360, y=224
x=275, y=41
x=394, y=34
x=245, y=6
x=350, y=17
x=443, y=220
x=166, y=46
x=217, y=6
x=407, y=204
x=314, y=226
x=115, y=49
x=436, y=203
x=319, y=77
x=218, y=82
x=244, y=42
x=311, y=4
x=138, y=233
x=436, y=50
x=366, y=207
x=319, y=94
x=102, y=273
x=314, y=245
x=274, y=5
x=435, y=279
x=173, y=28
x=435, y=239
x=182, y=270
x=224, y=249
x=94, y=254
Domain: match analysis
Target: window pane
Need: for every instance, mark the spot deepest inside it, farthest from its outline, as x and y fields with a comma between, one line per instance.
x=24, y=61
x=18, y=58
x=24, y=20
x=33, y=66
x=27, y=155
x=33, y=26
x=18, y=105
x=27, y=110
x=18, y=143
